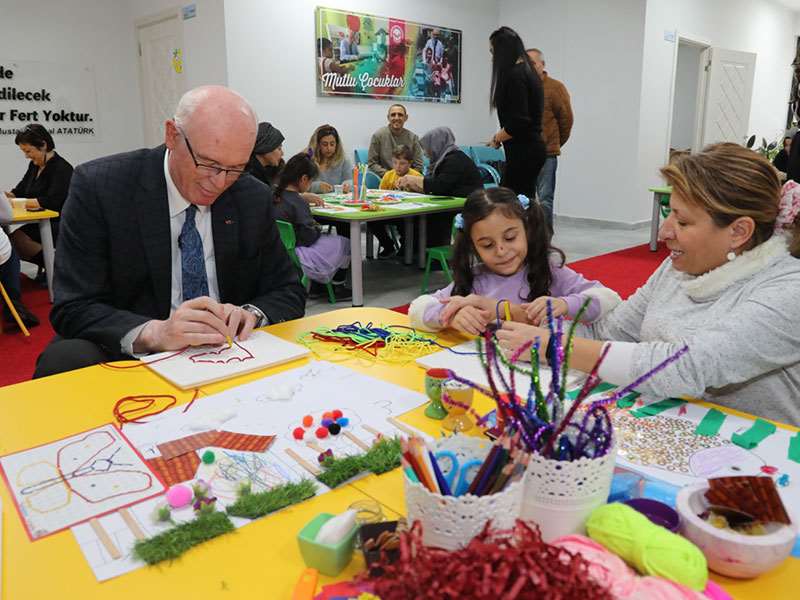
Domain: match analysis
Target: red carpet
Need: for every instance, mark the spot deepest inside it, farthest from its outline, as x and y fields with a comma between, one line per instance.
x=19, y=353
x=623, y=271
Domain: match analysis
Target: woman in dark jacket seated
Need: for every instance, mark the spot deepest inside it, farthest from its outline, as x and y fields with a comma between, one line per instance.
x=266, y=161
x=45, y=184
x=451, y=173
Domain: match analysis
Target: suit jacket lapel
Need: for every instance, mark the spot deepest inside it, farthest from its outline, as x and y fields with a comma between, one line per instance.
x=225, y=228
x=153, y=212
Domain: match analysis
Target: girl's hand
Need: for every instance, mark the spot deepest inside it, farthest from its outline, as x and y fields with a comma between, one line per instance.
x=313, y=199
x=411, y=183
x=536, y=311
x=513, y=335
x=346, y=187
x=455, y=303
x=325, y=187
x=471, y=320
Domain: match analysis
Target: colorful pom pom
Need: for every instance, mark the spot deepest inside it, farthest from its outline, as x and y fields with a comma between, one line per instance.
x=327, y=415
x=321, y=432
x=327, y=422
x=334, y=428
x=343, y=421
x=337, y=414
x=208, y=457
x=308, y=421
x=298, y=433
x=325, y=455
x=179, y=496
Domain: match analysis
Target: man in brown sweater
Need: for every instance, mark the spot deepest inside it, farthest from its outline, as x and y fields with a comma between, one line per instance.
x=556, y=127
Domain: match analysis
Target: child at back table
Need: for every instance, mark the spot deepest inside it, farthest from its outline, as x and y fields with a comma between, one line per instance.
x=402, y=157
x=321, y=255
x=502, y=251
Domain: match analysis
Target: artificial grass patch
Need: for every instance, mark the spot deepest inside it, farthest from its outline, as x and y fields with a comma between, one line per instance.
x=382, y=457
x=253, y=506
x=174, y=542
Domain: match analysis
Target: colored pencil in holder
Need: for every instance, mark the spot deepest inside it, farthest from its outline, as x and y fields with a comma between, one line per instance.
x=442, y=482
x=479, y=475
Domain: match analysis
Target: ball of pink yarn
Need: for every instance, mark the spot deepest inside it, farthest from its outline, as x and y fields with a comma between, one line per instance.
x=179, y=496
x=658, y=588
x=606, y=568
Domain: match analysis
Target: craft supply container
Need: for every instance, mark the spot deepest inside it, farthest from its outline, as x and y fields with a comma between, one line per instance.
x=371, y=531
x=450, y=522
x=728, y=552
x=560, y=495
x=328, y=560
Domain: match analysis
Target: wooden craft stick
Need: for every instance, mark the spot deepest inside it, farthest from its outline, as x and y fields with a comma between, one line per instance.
x=131, y=523
x=373, y=431
x=303, y=462
x=315, y=446
x=401, y=426
x=355, y=440
x=104, y=538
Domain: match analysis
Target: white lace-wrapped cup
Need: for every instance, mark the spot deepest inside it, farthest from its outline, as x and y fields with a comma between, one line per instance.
x=560, y=495
x=450, y=522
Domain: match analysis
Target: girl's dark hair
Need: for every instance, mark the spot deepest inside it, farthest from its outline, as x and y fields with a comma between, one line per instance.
x=35, y=135
x=479, y=205
x=507, y=49
x=297, y=166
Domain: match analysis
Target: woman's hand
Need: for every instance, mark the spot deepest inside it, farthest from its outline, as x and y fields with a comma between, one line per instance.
x=347, y=187
x=493, y=143
x=512, y=335
x=313, y=199
x=411, y=183
x=536, y=311
x=9, y=195
x=325, y=187
x=32, y=203
x=471, y=320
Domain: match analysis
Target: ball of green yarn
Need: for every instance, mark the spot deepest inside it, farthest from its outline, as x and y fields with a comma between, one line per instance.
x=647, y=547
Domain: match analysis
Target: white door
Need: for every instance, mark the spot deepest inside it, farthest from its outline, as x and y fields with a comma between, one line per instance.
x=730, y=90
x=161, y=70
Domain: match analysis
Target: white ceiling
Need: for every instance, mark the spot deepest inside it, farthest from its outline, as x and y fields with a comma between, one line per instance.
x=793, y=4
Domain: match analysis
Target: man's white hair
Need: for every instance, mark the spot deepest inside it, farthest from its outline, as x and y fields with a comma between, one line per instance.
x=195, y=97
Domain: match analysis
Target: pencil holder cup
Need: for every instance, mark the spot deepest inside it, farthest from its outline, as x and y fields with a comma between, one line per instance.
x=457, y=399
x=560, y=495
x=450, y=522
x=434, y=378
x=327, y=559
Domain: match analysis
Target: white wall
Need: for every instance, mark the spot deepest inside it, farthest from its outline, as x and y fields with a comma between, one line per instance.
x=595, y=49
x=204, y=53
x=758, y=26
x=685, y=105
x=80, y=32
x=270, y=47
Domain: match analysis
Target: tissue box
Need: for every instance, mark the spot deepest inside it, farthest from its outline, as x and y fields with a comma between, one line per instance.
x=328, y=560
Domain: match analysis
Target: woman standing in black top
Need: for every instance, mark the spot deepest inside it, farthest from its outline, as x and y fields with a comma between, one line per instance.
x=45, y=184
x=517, y=94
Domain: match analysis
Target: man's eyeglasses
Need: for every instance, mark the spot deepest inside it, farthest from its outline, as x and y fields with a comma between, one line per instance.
x=210, y=170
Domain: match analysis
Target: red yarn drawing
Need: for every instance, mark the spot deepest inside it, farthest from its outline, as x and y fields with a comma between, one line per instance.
x=223, y=355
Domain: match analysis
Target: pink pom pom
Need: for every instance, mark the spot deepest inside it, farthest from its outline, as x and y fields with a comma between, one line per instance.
x=179, y=496
x=605, y=568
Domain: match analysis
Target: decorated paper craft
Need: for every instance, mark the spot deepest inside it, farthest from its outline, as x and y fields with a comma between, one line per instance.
x=175, y=470
x=658, y=407
x=243, y=441
x=205, y=364
x=60, y=484
x=794, y=448
x=756, y=434
x=711, y=423
x=188, y=444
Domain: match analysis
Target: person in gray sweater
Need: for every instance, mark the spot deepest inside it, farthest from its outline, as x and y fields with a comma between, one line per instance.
x=384, y=141
x=729, y=291
x=326, y=151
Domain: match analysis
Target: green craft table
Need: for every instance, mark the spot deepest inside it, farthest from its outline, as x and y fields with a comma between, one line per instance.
x=660, y=194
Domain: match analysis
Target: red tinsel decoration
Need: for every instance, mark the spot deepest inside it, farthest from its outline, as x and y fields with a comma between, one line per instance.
x=507, y=565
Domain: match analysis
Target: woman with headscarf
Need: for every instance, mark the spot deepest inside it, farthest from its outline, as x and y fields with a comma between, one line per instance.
x=266, y=161
x=451, y=172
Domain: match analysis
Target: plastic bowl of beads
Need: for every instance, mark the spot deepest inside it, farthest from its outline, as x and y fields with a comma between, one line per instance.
x=729, y=552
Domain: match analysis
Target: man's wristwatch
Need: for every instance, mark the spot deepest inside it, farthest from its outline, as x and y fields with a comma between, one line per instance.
x=261, y=318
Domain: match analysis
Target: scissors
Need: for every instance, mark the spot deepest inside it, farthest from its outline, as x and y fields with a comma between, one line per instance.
x=458, y=477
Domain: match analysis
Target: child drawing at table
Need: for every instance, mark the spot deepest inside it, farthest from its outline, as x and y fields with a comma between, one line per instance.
x=321, y=255
x=502, y=251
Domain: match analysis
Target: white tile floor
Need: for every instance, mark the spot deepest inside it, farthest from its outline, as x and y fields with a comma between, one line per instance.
x=389, y=283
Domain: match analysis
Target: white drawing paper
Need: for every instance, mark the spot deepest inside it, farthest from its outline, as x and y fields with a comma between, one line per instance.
x=202, y=365
x=69, y=481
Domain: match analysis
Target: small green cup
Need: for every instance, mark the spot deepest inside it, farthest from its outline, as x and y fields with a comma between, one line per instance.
x=434, y=378
x=328, y=560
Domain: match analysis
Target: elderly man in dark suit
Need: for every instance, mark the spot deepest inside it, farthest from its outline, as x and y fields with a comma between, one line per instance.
x=170, y=247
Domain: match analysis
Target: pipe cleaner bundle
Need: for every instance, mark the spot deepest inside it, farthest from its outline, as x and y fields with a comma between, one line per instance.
x=545, y=423
x=393, y=344
x=511, y=564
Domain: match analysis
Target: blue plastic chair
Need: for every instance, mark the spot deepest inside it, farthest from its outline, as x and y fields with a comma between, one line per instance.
x=373, y=181
x=491, y=172
x=360, y=155
x=486, y=154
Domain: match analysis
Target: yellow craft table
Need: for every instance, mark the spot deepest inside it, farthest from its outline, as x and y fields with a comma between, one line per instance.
x=42, y=217
x=261, y=560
